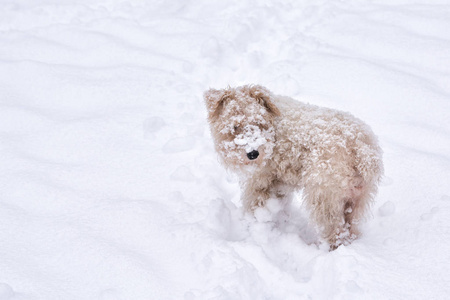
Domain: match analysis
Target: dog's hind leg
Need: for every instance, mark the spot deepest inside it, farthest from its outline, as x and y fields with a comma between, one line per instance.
x=336, y=203
x=327, y=207
x=360, y=196
x=337, y=210
x=355, y=205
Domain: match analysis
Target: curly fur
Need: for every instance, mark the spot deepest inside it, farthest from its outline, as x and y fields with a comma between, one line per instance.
x=331, y=155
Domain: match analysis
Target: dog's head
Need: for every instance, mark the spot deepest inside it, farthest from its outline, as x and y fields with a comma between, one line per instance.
x=241, y=121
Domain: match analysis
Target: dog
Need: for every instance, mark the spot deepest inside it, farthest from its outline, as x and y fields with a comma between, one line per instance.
x=278, y=145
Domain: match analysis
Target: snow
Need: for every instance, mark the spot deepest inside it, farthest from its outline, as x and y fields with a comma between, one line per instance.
x=387, y=209
x=110, y=184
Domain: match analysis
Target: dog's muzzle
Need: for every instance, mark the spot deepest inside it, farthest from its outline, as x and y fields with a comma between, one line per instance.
x=253, y=155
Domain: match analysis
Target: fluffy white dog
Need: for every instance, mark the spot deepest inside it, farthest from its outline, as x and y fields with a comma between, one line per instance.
x=278, y=145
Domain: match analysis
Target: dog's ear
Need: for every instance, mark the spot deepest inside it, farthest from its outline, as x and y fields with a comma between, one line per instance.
x=214, y=100
x=264, y=96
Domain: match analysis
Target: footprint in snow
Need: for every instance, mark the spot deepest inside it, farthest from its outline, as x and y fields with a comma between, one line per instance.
x=180, y=144
x=288, y=84
x=152, y=125
x=428, y=216
x=6, y=292
x=386, y=209
x=352, y=287
x=182, y=173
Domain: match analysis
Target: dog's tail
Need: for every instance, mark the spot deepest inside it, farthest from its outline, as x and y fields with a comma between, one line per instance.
x=369, y=160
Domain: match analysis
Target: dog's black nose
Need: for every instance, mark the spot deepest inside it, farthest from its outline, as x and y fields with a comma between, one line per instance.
x=253, y=155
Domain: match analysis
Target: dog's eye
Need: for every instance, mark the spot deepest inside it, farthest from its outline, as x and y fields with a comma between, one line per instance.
x=236, y=128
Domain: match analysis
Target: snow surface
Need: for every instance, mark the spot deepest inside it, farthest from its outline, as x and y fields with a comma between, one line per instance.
x=109, y=184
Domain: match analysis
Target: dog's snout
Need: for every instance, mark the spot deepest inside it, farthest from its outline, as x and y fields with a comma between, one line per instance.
x=253, y=155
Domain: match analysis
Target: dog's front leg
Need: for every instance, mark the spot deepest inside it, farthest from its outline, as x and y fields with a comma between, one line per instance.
x=256, y=191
